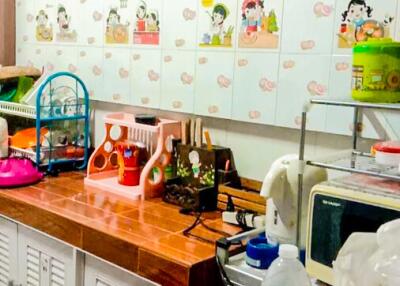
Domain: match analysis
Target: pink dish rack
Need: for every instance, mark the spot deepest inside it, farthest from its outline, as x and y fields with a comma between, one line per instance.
x=102, y=169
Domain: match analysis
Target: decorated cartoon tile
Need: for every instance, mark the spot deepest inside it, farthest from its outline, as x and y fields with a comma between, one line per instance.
x=146, y=77
x=217, y=23
x=91, y=18
x=26, y=27
x=147, y=22
x=116, y=73
x=214, y=84
x=308, y=26
x=118, y=17
x=90, y=70
x=180, y=22
x=31, y=55
x=259, y=24
x=301, y=78
x=45, y=19
x=255, y=87
x=178, y=80
x=358, y=20
x=67, y=21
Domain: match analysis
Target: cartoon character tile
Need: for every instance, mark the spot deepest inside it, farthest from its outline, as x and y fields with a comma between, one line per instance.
x=67, y=21
x=91, y=17
x=147, y=22
x=178, y=80
x=255, y=87
x=146, y=77
x=217, y=23
x=45, y=18
x=180, y=22
x=307, y=26
x=91, y=70
x=359, y=20
x=118, y=19
x=26, y=26
x=214, y=84
x=116, y=74
x=301, y=78
x=259, y=24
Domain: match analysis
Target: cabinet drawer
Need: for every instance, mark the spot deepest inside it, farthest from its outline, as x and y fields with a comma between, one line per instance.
x=100, y=273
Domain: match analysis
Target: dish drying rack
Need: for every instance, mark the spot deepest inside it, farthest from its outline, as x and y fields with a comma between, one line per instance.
x=44, y=112
x=102, y=169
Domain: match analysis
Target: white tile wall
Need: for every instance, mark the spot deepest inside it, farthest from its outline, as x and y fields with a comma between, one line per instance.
x=304, y=31
x=180, y=20
x=117, y=67
x=255, y=87
x=178, y=81
x=214, y=84
x=301, y=78
x=90, y=70
x=25, y=30
x=91, y=19
x=146, y=78
x=307, y=57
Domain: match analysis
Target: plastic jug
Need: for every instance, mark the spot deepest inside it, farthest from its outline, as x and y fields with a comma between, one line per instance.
x=287, y=270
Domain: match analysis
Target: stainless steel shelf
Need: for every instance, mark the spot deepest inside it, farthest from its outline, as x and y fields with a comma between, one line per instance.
x=352, y=103
x=356, y=162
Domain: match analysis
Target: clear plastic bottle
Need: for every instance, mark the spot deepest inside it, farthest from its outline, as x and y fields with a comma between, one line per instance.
x=287, y=270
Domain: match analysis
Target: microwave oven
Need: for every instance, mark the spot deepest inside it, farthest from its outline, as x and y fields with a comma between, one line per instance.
x=341, y=207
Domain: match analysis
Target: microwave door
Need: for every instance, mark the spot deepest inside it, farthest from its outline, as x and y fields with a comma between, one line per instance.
x=335, y=219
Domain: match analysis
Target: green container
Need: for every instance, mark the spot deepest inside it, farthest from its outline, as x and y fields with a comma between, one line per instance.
x=376, y=71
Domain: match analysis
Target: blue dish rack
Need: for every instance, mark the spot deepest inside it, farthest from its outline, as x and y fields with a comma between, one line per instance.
x=48, y=112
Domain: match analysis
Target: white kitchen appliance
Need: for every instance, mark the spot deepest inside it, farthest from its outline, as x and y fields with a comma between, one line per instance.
x=280, y=186
x=341, y=207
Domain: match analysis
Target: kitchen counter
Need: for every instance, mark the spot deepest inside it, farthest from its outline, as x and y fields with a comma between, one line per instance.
x=144, y=237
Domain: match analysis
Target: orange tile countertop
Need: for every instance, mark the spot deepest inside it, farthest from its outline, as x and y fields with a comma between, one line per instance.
x=144, y=237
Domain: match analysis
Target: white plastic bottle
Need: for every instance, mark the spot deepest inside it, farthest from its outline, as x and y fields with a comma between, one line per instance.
x=3, y=138
x=287, y=270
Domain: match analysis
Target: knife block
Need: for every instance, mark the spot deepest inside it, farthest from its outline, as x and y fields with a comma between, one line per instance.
x=198, y=175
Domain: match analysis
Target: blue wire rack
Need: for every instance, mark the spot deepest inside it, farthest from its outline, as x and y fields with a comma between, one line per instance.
x=49, y=113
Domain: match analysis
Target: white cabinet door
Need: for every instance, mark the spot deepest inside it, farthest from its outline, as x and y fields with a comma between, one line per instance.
x=44, y=261
x=99, y=273
x=8, y=252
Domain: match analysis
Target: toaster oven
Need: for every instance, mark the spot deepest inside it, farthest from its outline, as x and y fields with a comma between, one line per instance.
x=340, y=207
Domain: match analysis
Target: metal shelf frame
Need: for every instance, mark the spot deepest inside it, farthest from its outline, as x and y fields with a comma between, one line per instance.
x=352, y=161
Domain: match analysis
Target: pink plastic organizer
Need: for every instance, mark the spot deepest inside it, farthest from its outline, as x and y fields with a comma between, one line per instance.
x=103, y=167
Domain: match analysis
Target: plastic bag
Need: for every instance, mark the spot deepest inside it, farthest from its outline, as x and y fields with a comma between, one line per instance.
x=370, y=259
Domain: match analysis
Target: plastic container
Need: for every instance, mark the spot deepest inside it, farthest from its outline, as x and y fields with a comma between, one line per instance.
x=3, y=138
x=129, y=163
x=16, y=172
x=376, y=71
x=260, y=254
x=387, y=153
x=287, y=270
